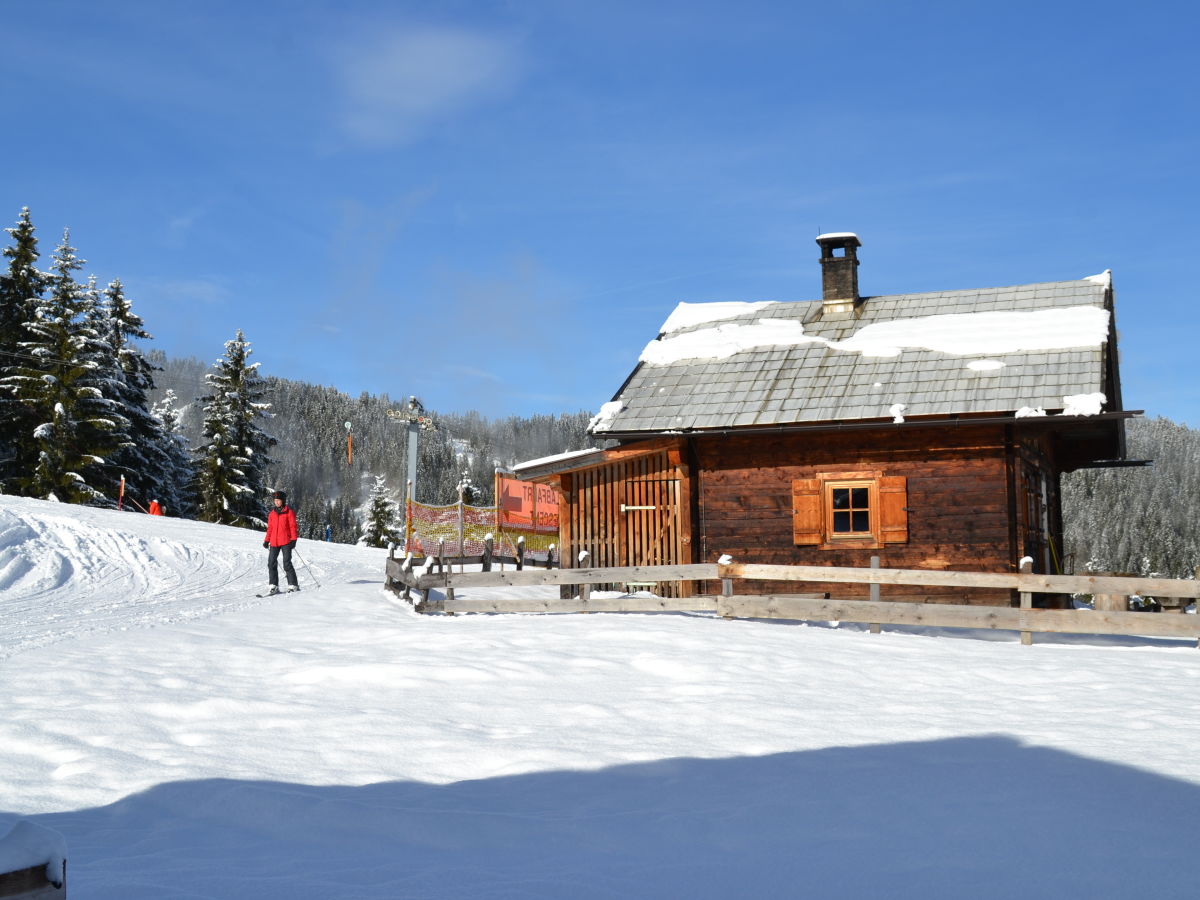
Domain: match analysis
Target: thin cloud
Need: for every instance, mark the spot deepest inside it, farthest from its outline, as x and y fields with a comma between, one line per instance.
x=196, y=290
x=396, y=84
x=469, y=372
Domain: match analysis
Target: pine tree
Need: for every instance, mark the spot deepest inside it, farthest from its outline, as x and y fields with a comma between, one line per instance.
x=232, y=464
x=21, y=286
x=178, y=478
x=153, y=462
x=379, y=527
x=64, y=380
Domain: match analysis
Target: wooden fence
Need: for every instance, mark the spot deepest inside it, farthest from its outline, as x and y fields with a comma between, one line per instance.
x=1110, y=615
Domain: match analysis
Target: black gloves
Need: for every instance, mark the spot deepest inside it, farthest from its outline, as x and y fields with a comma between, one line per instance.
x=266, y=545
x=292, y=545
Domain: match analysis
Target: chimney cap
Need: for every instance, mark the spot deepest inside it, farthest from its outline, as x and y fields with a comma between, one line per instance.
x=839, y=236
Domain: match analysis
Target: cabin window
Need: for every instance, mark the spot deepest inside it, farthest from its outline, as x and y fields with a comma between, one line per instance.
x=848, y=508
x=845, y=510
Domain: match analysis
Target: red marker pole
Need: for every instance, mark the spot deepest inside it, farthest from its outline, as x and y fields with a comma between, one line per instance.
x=121, y=493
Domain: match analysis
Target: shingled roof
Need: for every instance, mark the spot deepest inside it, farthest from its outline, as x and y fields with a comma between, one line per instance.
x=997, y=351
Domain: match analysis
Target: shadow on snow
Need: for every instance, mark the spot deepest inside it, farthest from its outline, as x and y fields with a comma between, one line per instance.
x=980, y=817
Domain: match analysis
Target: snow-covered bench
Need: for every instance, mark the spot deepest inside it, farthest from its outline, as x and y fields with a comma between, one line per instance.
x=33, y=863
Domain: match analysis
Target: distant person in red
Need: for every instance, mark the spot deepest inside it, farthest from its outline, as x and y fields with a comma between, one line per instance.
x=281, y=537
x=155, y=509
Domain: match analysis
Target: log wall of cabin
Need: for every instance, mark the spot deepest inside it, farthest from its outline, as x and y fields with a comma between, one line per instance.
x=960, y=499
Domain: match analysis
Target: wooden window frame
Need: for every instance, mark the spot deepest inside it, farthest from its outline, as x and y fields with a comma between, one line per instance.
x=812, y=510
x=868, y=538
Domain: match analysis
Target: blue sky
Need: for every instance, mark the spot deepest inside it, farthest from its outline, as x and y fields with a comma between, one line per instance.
x=495, y=205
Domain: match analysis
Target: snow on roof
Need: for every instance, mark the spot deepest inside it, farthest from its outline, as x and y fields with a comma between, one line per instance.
x=962, y=334
x=1083, y=404
x=837, y=234
x=557, y=457
x=689, y=315
x=725, y=340
x=1104, y=278
x=603, y=420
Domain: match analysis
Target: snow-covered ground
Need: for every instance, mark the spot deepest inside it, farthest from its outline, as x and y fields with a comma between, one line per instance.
x=189, y=740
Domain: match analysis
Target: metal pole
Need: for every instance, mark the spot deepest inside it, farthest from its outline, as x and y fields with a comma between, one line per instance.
x=414, y=428
x=306, y=566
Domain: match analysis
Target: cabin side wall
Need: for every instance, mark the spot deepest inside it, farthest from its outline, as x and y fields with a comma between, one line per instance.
x=961, y=503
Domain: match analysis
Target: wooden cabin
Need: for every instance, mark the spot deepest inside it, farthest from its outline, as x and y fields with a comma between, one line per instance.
x=929, y=430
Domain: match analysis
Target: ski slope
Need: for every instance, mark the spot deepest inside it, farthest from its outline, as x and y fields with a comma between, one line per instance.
x=189, y=740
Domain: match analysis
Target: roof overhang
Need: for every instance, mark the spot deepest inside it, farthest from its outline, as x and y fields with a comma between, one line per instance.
x=1043, y=423
x=547, y=471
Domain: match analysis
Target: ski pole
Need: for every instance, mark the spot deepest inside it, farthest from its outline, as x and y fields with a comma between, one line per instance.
x=306, y=566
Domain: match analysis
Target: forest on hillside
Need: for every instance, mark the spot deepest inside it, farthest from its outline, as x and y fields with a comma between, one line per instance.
x=1139, y=521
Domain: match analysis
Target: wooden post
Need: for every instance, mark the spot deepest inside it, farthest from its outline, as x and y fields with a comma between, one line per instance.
x=1026, y=599
x=520, y=550
x=727, y=592
x=487, y=554
x=441, y=557
x=585, y=590
x=499, y=512
x=1183, y=604
x=462, y=550
x=875, y=626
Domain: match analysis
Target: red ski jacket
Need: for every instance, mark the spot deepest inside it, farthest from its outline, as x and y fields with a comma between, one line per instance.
x=281, y=526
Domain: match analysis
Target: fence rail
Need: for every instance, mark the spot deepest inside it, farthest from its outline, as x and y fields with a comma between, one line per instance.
x=1109, y=617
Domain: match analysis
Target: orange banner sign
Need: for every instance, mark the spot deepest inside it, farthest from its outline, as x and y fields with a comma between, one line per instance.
x=522, y=503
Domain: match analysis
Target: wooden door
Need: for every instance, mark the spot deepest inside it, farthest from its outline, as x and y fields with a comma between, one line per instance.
x=651, y=528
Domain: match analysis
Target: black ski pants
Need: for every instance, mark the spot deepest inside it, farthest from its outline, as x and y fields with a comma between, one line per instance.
x=273, y=565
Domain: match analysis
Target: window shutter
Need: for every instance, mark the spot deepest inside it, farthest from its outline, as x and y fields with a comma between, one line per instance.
x=893, y=510
x=806, y=511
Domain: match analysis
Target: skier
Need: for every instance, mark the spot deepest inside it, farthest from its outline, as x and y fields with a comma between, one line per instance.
x=155, y=509
x=281, y=536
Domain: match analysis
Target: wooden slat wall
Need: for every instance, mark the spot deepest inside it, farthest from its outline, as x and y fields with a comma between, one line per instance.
x=592, y=511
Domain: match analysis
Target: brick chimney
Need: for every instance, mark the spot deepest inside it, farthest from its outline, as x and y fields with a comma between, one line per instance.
x=839, y=270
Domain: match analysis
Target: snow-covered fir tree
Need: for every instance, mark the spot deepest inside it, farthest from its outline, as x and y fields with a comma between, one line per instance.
x=466, y=487
x=381, y=518
x=231, y=465
x=179, y=475
x=65, y=379
x=155, y=465
x=21, y=284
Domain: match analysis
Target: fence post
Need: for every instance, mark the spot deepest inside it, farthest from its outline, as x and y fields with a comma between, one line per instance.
x=520, y=552
x=462, y=550
x=726, y=593
x=875, y=626
x=1026, y=599
x=585, y=590
x=487, y=554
